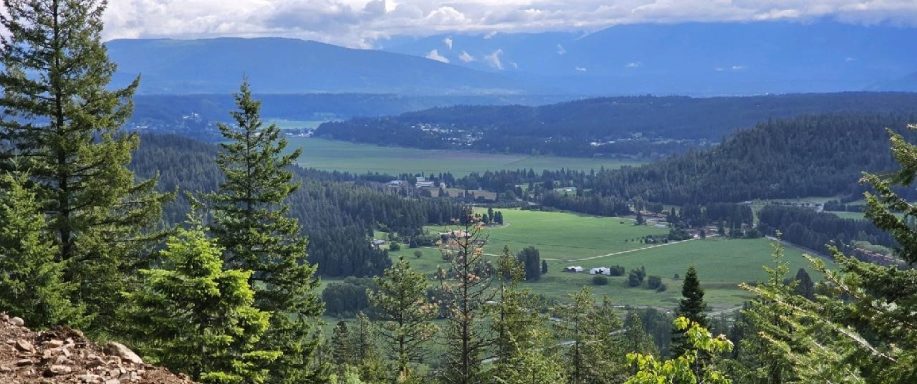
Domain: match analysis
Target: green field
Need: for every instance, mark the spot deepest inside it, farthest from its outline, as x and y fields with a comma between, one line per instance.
x=566, y=239
x=333, y=155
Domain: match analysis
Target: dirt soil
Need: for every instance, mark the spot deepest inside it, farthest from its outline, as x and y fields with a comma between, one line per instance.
x=64, y=355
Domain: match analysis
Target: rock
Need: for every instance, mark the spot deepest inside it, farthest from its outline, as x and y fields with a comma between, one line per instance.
x=58, y=369
x=94, y=361
x=4, y=317
x=54, y=343
x=24, y=362
x=123, y=352
x=17, y=321
x=89, y=378
x=5, y=369
x=24, y=346
x=112, y=381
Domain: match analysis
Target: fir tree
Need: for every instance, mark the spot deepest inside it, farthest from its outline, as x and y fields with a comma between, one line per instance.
x=692, y=307
x=595, y=355
x=635, y=339
x=525, y=350
x=252, y=223
x=62, y=123
x=401, y=304
x=681, y=369
x=195, y=317
x=30, y=278
x=467, y=287
x=342, y=349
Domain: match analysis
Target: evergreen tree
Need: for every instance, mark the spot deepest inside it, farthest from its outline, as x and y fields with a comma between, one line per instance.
x=467, y=286
x=692, y=307
x=252, y=223
x=530, y=258
x=195, y=317
x=594, y=355
x=31, y=283
x=804, y=285
x=342, y=349
x=525, y=349
x=62, y=123
x=402, y=306
x=635, y=339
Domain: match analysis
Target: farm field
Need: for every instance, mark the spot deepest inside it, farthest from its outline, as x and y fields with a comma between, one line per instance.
x=333, y=155
x=566, y=239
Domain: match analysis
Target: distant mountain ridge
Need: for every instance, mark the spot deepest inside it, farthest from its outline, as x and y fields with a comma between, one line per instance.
x=643, y=126
x=291, y=66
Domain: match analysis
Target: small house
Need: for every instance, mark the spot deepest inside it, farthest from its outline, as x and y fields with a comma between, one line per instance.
x=573, y=269
x=600, y=271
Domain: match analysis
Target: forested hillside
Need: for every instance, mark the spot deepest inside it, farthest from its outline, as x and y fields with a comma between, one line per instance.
x=632, y=126
x=800, y=157
x=338, y=212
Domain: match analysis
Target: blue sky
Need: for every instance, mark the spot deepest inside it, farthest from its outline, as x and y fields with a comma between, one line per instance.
x=364, y=23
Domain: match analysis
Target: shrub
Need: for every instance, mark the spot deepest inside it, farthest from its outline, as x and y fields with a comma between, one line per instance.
x=653, y=282
x=599, y=280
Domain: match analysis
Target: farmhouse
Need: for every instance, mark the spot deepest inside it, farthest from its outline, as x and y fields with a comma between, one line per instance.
x=574, y=269
x=600, y=271
x=376, y=243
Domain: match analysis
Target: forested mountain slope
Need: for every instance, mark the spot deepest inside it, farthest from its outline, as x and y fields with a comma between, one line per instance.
x=635, y=126
x=804, y=156
x=337, y=212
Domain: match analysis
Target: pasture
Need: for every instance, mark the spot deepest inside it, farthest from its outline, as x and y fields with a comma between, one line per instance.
x=566, y=239
x=333, y=155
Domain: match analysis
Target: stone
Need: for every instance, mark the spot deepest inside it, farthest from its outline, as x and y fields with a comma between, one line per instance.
x=17, y=321
x=89, y=378
x=5, y=369
x=94, y=361
x=54, y=343
x=24, y=362
x=58, y=369
x=123, y=352
x=112, y=381
x=24, y=346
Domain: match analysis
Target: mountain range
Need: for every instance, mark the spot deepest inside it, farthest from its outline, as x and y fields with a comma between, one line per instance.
x=688, y=58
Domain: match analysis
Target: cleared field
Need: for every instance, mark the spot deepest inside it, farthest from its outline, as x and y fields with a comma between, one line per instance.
x=336, y=155
x=568, y=239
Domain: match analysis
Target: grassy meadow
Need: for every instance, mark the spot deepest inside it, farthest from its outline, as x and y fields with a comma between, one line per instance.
x=566, y=239
x=334, y=155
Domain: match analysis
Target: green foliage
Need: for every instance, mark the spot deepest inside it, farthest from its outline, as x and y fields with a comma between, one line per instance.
x=62, y=123
x=466, y=289
x=594, y=354
x=531, y=260
x=402, y=306
x=635, y=338
x=682, y=369
x=31, y=284
x=252, y=224
x=692, y=307
x=195, y=317
x=599, y=280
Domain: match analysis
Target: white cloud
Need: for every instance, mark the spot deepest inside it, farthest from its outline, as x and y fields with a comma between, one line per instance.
x=633, y=64
x=560, y=50
x=434, y=55
x=448, y=42
x=580, y=69
x=495, y=59
x=360, y=23
x=465, y=57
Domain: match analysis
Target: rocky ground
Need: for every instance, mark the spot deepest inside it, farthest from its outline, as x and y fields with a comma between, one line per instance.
x=63, y=355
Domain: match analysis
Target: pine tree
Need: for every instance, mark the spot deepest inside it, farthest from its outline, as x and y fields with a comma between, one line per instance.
x=195, y=317
x=401, y=304
x=692, y=307
x=468, y=289
x=342, y=353
x=31, y=283
x=681, y=369
x=252, y=223
x=62, y=123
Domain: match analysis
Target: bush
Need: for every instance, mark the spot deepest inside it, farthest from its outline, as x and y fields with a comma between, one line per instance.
x=636, y=276
x=653, y=282
x=616, y=270
x=418, y=254
x=661, y=288
x=394, y=246
x=599, y=280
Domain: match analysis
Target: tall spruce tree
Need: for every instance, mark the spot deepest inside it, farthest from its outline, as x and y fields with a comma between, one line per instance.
x=595, y=354
x=195, y=317
x=692, y=307
x=31, y=283
x=62, y=123
x=401, y=304
x=252, y=224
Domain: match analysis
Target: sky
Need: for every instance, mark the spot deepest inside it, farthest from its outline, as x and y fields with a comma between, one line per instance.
x=366, y=23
